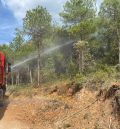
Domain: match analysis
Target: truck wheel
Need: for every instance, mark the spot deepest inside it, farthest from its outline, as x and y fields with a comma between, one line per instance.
x=4, y=91
x=1, y=98
x=1, y=95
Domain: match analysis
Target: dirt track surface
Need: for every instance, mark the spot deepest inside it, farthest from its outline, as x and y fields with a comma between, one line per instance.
x=47, y=112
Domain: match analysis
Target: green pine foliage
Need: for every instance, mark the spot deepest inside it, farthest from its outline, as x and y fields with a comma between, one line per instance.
x=95, y=33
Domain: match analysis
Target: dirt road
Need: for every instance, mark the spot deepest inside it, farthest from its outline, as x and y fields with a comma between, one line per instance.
x=10, y=114
x=8, y=117
x=23, y=114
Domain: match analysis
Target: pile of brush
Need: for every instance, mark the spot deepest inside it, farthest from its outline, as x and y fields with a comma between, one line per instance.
x=68, y=89
x=112, y=93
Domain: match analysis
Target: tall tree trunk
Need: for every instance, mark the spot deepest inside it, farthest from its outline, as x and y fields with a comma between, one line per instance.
x=39, y=57
x=12, y=80
x=6, y=81
x=31, y=80
x=30, y=74
x=81, y=61
x=18, y=78
x=118, y=34
x=38, y=71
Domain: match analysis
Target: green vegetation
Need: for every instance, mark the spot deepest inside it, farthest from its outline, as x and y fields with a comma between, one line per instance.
x=93, y=56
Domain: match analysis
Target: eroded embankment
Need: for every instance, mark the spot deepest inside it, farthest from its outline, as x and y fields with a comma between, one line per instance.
x=48, y=109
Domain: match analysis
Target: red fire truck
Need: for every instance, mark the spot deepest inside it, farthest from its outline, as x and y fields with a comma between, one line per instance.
x=5, y=68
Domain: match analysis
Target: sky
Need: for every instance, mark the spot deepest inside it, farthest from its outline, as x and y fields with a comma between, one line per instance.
x=13, y=11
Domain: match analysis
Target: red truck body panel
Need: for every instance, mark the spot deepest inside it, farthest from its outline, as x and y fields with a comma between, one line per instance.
x=2, y=69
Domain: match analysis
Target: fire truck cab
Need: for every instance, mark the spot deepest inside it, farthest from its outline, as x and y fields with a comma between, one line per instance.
x=4, y=70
